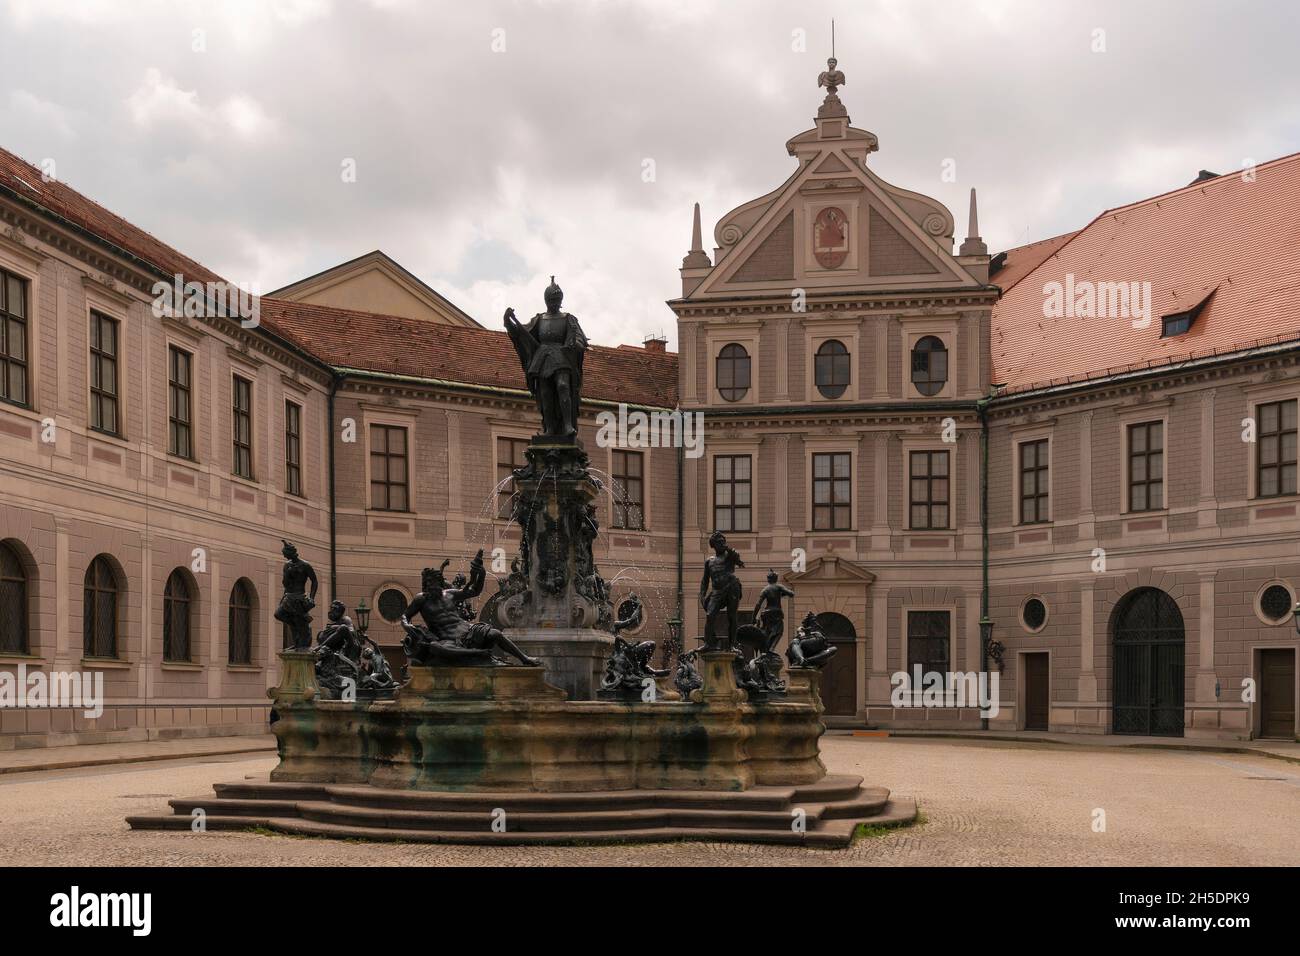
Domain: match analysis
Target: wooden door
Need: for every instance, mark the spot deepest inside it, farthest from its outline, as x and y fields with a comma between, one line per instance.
x=1277, y=694
x=1038, y=694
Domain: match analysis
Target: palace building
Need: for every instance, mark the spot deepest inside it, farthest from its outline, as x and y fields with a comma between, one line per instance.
x=1089, y=442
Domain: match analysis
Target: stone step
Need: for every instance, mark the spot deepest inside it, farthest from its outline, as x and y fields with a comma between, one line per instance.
x=234, y=807
x=533, y=822
x=830, y=833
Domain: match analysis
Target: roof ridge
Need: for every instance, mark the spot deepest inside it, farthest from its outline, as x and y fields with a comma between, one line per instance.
x=1197, y=184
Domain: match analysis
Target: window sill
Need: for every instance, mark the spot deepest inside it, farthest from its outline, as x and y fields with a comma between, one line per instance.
x=112, y=437
x=108, y=663
x=245, y=668
x=13, y=658
x=180, y=666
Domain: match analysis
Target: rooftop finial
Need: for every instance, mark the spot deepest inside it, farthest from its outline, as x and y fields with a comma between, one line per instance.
x=832, y=78
x=696, y=258
x=974, y=245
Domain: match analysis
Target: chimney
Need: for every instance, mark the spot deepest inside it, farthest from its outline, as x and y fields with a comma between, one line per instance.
x=656, y=343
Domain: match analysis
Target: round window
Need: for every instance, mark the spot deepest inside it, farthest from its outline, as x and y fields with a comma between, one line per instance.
x=1275, y=603
x=392, y=605
x=1034, y=614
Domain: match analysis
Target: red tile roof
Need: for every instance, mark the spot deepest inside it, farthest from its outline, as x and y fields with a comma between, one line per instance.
x=363, y=340
x=1022, y=260
x=391, y=344
x=63, y=201
x=1239, y=239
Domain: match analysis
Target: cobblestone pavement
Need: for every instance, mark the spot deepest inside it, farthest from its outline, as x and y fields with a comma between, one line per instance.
x=983, y=803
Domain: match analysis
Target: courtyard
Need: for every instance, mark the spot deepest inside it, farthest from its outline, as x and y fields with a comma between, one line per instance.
x=982, y=803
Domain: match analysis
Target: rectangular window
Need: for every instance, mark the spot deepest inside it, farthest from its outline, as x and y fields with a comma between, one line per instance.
x=1277, y=449
x=732, y=490
x=629, y=490
x=388, y=482
x=180, y=411
x=1033, y=482
x=928, y=638
x=928, y=490
x=13, y=338
x=103, y=373
x=241, y=426
x=510, y=455
x=1146, y=466
x=832, y=492
x=293, y=448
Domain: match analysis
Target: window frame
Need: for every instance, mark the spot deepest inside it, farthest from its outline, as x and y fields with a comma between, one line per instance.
x=930, y=502
x=1278, y=436
x=241, y=450
x=1042, y=494
x=248, y=612
x=505, y=469
x=622, y=479
x=176, y=390
x=387, y=482
x=19, y=584
x=843, y=358
x=1131, y=455
x=98, y=358
x=187, y=599
x=732, y=482
x=8, y=360
x=91, y=589
x=939, y=386
x=293, y=483
x=831, y=507
x=733, y=361
x=910, y=633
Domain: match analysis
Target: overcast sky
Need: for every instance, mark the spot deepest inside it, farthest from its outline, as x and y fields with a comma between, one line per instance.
x=485, y=170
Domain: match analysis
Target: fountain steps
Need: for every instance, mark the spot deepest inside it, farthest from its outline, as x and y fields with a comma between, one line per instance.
x=833, y=807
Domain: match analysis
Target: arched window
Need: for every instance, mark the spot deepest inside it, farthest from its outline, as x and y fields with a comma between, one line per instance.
x=177, y=600
x=929, y=365
x=239, y=630
x=733, y=372
x=13, y=603
x=100, y=600
x=831, y=367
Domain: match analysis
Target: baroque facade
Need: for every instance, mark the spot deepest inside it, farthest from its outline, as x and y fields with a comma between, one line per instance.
x=907, y=429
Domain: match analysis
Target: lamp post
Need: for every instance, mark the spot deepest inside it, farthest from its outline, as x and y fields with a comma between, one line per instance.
x=363, y=617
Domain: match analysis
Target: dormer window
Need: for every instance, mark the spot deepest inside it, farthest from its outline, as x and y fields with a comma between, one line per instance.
x=1176, y=324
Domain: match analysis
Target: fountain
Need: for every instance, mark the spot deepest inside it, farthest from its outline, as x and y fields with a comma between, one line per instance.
x=486, y=743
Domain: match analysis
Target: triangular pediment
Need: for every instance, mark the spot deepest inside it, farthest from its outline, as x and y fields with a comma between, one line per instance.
x=376, y=283
x=831, y=569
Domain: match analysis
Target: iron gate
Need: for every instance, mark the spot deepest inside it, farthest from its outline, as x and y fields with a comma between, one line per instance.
x=1148, y=665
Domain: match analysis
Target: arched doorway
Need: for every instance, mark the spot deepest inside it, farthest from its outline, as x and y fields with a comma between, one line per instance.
x=839, y=686
x=1147, y=664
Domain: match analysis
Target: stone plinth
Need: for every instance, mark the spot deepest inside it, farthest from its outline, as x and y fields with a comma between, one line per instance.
x=573, y=658
x=484, y=729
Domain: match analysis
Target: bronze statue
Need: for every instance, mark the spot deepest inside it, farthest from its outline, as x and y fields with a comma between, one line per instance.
x=771, y=619
x=720, y=572
x=551, y=349
x=688, y=677
x=630, y=614
x=809, y=647
x=447, y=638
x=345, y=654
x=296, y=604
x=627, y=668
